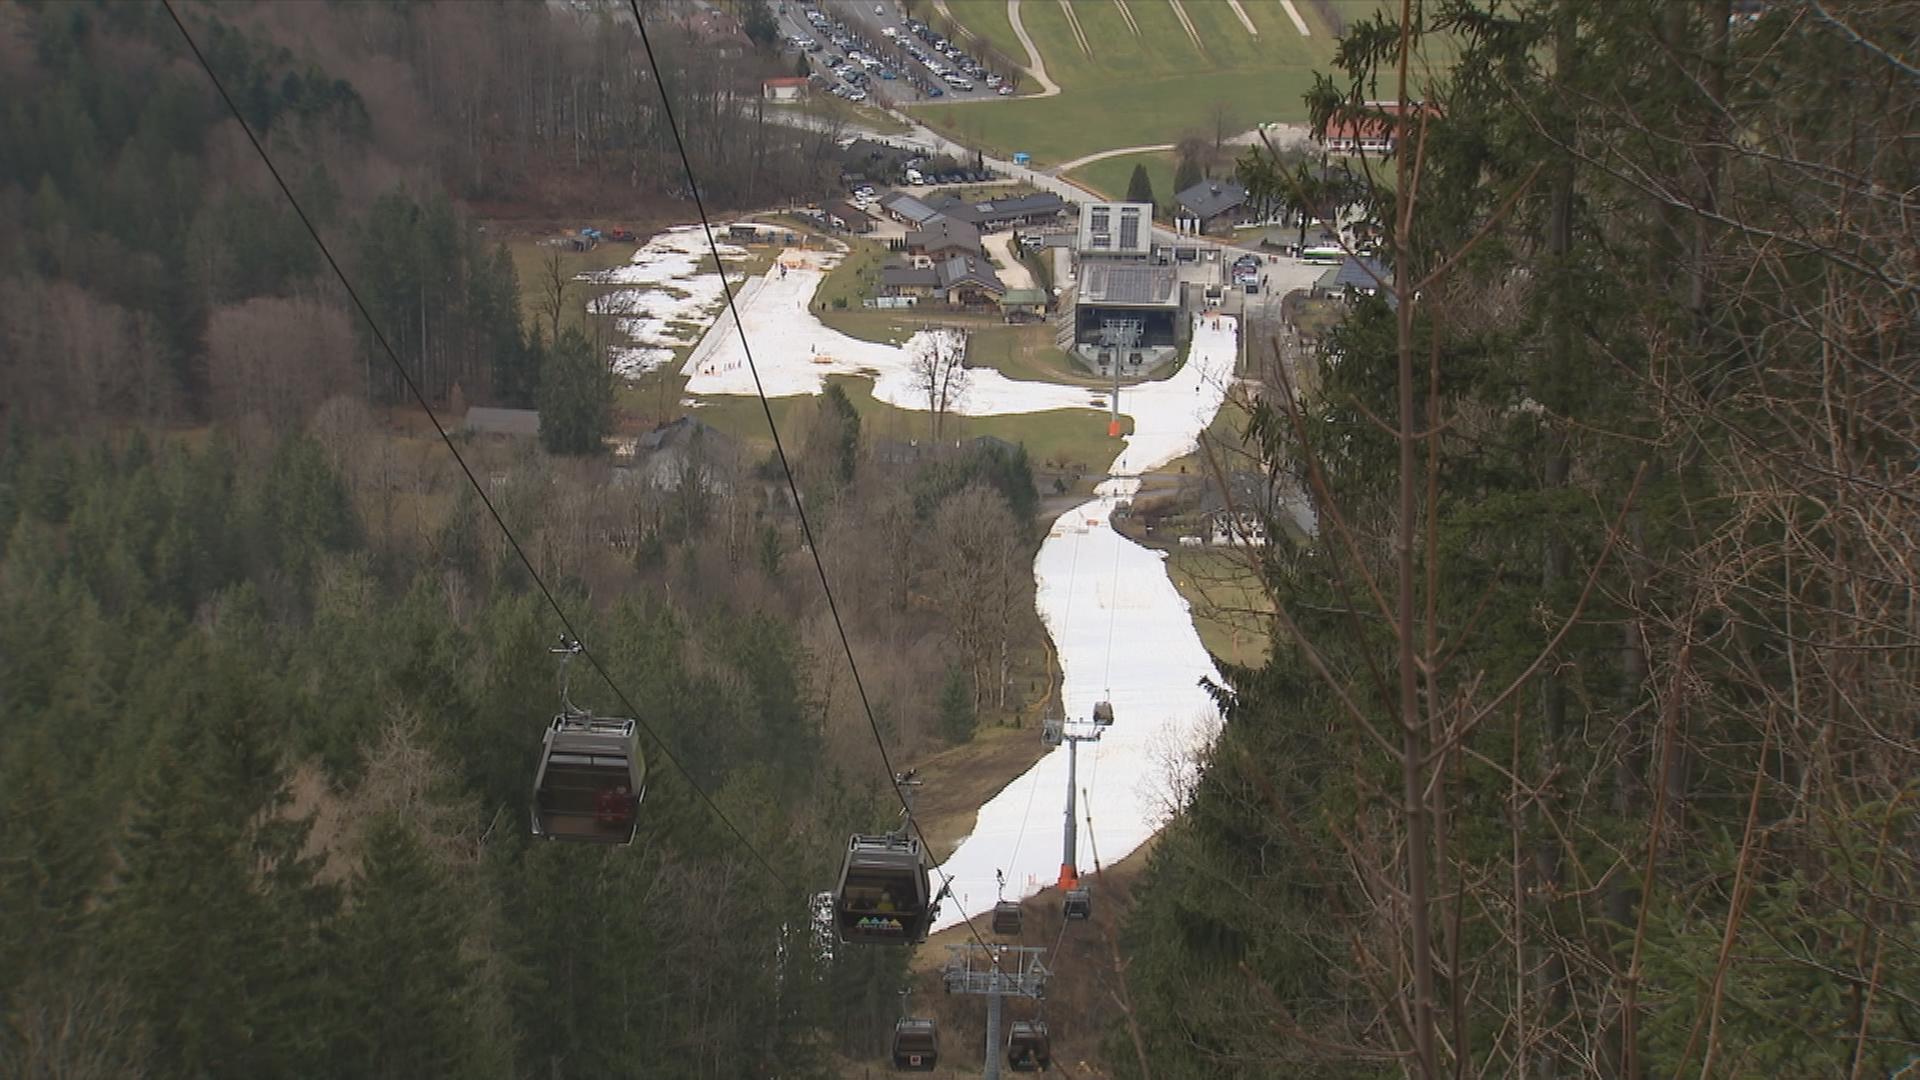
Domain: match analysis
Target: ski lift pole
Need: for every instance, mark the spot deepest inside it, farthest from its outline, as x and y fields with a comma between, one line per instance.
x=1069, y=851
x=992, y=1069
x=566, y=651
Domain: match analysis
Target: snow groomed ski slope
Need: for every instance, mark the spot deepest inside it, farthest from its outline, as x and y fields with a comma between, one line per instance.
x=1123, y=633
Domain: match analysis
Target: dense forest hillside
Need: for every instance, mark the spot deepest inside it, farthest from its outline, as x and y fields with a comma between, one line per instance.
x=272, y=681
x=1592, y=746
x=145, y=255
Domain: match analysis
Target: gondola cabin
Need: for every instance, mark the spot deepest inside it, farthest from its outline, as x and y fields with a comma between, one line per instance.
x=590, y=781
x=883, y=897
x=1028, y=1047
x=1103, y=714
x=1079, y=904
x=916, y=1045
x=1007, y=917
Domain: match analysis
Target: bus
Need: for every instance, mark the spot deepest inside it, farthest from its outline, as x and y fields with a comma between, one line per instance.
x=1324, y=254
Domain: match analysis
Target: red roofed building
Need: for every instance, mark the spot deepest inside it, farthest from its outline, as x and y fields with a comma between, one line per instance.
x=1375, y=129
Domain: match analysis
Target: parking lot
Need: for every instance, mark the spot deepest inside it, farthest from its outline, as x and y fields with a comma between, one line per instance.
x=867, y=50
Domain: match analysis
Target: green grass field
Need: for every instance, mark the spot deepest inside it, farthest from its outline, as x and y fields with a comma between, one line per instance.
x=1154, y=86
x=1066, y=435
x=531, y=265
x=1110, y=176
x=1230, y=608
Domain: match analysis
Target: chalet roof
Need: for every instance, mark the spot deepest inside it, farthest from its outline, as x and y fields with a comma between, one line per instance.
x=945, y=232
x=910, y=276
x=677, y=433
x=1211, y=198
x=908, y=207
x=955, y=207
x=966, y=270
x=995, y=210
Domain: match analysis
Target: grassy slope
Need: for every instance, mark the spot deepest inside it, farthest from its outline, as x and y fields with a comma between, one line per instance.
x=1149, y=88
x=1110, y=176
x=1065, y=435
x=988, y=19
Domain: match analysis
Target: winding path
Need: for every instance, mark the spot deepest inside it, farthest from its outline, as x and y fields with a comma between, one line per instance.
x=1035, y=66
x=1069, y=166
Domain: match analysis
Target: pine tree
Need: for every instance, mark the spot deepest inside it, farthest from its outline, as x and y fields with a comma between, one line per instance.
x=576, y=397
x=957, y=712
x=400, y=965
x=1140, y=186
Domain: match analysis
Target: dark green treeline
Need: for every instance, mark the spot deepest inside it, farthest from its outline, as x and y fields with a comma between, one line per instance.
x=265, y=789
x=1665, y=515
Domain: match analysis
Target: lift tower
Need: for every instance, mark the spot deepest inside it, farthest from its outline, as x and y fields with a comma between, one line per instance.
x=996, y=971
x=1054, y=732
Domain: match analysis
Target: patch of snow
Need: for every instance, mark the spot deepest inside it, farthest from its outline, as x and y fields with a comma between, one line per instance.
x=663, y=284
x=1124, y=634
x=795, y=352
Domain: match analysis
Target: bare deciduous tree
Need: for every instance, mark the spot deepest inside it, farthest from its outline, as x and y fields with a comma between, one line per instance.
x=940, y=374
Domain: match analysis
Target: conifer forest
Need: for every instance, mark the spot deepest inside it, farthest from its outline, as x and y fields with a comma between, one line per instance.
x=1586, y=741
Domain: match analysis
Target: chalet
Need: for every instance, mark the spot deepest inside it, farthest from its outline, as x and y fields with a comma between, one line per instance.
x=949, y=205
x=1354, y=278
x=919, y=281
x=906, y=209
x=1024, y=305
x=969, y=281
x=940, y=238
x=995, y=214
x=788, y=89
x=842, y=214
x=1211, y=206
x=1372, y=129
x=682, y=450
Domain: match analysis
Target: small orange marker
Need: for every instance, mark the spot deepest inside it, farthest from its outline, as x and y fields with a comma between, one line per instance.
x=1113, y=429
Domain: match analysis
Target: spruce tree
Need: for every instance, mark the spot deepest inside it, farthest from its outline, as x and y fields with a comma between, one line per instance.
x=1140, y=186
x=576, y=397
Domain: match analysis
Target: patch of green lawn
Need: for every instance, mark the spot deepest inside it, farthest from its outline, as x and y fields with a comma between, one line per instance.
x=1231, y=610
x=987, y=19
x=1155, y=86
x=531, y=262
x=1110, y=176
x=1063, y=435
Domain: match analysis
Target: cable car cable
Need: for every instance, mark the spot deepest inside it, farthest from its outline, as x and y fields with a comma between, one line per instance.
x=786, y=467
x=420, y=397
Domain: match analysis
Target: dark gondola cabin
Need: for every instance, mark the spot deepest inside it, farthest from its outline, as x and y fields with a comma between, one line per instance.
x=590, y=782
x=1103, y=713
x=1028, y=1047
x=1079, y=904
x=1007, y=917
x=883, y=897
x=916, y=1045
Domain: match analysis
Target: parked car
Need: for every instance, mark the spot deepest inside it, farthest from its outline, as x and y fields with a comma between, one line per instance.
x=1004, y=90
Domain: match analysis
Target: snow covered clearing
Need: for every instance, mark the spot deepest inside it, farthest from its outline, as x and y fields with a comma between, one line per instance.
x=1124, y=634
x=665, y=300
x=795, y=352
